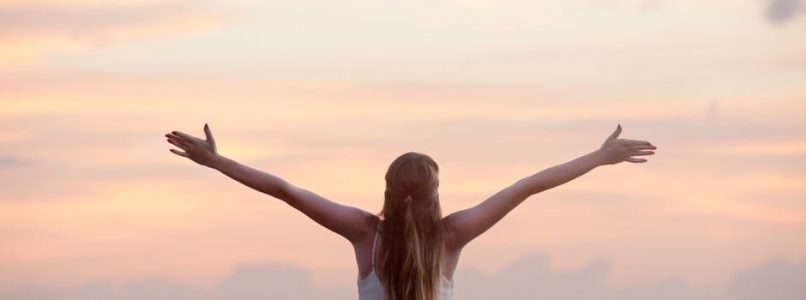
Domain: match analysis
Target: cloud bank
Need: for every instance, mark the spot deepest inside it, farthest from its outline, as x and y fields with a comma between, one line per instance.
x=530, y=277
x=247, y=282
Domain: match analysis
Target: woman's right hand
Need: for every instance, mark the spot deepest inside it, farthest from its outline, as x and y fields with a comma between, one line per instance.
x=615, y=150
x=200, y=151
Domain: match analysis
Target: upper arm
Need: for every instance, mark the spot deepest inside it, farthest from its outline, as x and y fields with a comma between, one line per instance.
x=350, y=222
x=465, y=225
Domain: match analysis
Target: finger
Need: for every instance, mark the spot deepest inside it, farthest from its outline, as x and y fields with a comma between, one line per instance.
x=185, y=136
x=181, y=145
x=616, y=133
x=643, y=147
x=629, y=142
x=641, y=153
x=636, y=160
x=180, y=153
x=177, y=138
x=208, y=134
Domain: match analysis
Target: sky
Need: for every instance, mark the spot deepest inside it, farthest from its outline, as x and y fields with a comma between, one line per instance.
x=326, y=94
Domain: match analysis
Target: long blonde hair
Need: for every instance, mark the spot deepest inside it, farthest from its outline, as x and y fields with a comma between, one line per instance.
x=411, y=234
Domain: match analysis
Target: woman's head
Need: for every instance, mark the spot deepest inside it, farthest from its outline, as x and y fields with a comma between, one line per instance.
x=412, y=234
x=412, y=179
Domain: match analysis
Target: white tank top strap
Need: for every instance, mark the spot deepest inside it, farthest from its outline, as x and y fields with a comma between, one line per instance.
x=374, y=242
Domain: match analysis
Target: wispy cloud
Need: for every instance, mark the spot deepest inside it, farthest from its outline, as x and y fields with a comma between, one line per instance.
x=84, y=21
x=29, y=30
x=10, y=161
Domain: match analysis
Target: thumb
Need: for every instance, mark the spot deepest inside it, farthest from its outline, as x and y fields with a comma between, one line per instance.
x=207, y=133
x=615, y=134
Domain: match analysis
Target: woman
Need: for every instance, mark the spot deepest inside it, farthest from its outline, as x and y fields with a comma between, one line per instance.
x=408, y=251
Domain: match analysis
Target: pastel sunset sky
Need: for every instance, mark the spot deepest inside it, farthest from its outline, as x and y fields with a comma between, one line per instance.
x=327, y=93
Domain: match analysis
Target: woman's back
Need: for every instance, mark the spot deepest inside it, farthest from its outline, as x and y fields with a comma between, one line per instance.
x=370, y=286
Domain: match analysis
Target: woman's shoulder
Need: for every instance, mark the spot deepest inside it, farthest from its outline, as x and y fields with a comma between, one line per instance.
x=452, y=241
x=370, y=226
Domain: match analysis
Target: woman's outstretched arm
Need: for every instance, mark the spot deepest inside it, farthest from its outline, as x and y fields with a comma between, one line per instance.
x=465, y=225
x=347, y=221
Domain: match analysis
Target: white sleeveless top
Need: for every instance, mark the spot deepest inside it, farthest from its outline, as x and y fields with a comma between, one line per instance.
x=371, y=288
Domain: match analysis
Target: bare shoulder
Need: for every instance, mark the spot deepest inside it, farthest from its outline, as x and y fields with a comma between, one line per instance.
x=367, y=230
x=449, y=235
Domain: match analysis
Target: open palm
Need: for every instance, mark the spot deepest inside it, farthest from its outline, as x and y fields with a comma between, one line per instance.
x=201, y=151
x=615, y=150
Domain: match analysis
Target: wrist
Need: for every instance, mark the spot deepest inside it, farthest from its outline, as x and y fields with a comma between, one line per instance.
x=597, y=157
x=216, y=162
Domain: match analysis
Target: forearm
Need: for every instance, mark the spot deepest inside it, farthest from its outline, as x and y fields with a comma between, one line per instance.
x=560, y=174
x=251, y=177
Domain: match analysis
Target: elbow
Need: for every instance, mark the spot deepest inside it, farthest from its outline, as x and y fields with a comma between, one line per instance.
x=527, y=187
x=281, y=191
